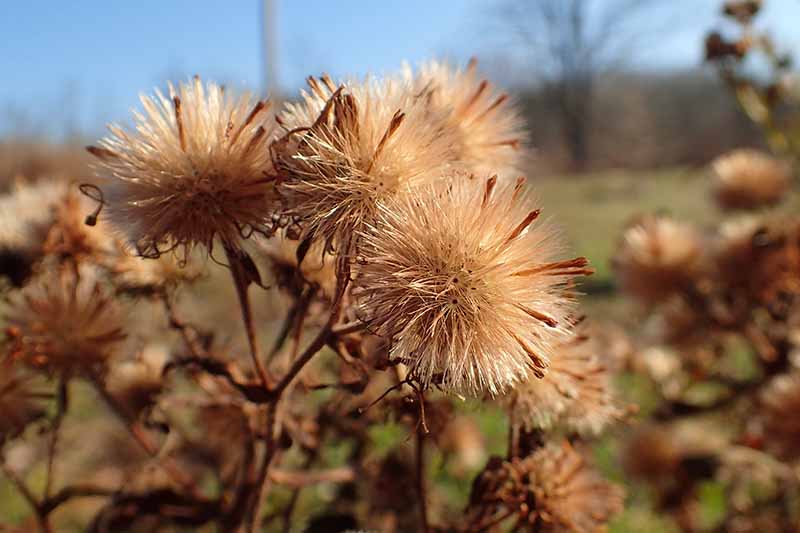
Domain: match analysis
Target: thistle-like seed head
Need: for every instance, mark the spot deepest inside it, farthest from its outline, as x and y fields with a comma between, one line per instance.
x=351, y=148
x=749, y=179
x=196, y=168
x=64, y=324
x=467, y=286
x=656, y=257
x=487, y=128
x=575, y=394
x=27, y=213
x=570, y=495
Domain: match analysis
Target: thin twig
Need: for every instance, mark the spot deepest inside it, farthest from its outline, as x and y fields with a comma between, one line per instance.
x=188, y=333
x=262, y=479
x=62, y=401
x=144, y=441
x=302, y=478
x=27, y=494
x=420, y=478
x=241, y=280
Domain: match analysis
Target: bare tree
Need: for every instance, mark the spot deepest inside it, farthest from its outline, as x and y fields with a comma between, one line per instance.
x=572, y=43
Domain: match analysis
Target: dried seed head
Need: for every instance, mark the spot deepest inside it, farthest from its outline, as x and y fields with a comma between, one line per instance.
x=196, y=168
x=64, y=324
x=749, y=179
x=780, y=401
x=742, y=10
x=70, y=236
x=347, y=150
x=466, y=285
x=656, y=257
x=575, y=393
x=570, y=496
x=487, y=128
x=19, y=401
x=26, y=214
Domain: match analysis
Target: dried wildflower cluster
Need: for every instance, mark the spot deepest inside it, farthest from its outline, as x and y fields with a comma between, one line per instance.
x=196, y=168
x=404, y=267
x=719, y=343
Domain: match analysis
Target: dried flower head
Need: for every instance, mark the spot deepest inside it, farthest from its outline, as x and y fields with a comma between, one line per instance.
x=196, y=168
x=570, y=496
x=656, y=257
x=64, y=324
x=749, y=179
x=349, y=149
x=742, y=10
x=20, y=403
x=486, y=127
x=575, y=393
x=70, y=236
x=469, y=290
x=780, y=401
x=26, y=215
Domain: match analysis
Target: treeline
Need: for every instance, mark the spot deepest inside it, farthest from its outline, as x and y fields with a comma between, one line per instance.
x=642, y=120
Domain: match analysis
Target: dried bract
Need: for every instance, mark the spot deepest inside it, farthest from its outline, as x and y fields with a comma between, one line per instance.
x=196, y=168
x=467, y=287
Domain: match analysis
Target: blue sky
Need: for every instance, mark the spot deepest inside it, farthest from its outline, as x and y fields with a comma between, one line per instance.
x=81, y=64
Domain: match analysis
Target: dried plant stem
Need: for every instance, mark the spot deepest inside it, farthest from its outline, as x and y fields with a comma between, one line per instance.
x=262, y=478
x=241, y=280
x=188, y=333
x=61, y=410
x=27, y=494
x=145, y=442
x=343, y=279
x=420, y=475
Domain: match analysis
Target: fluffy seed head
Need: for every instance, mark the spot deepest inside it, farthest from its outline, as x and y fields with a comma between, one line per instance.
x=571, y=496
x=486, y=127
x=26, y=215
x=196, y=167
x=466, y=285
x=742, y=10
x=575, y=393
x=656, y=257
x=64, y=324
x=349, y=149
x=749, y=179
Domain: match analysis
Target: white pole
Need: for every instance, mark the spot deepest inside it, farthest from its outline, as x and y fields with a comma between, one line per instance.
x=269, y=36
